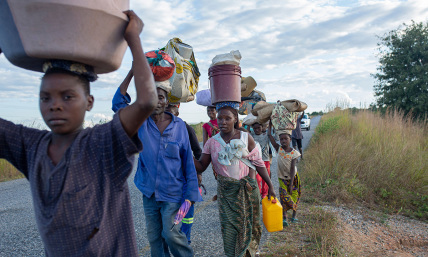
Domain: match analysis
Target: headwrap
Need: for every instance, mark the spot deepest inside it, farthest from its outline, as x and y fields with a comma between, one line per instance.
x=79, y=69
x=234, y=105
x=165, y=85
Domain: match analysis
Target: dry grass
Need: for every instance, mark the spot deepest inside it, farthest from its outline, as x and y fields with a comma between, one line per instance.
x=315, y=235
x=379, y=161
x=198, y=130
x=356, y=157
x=8, y=172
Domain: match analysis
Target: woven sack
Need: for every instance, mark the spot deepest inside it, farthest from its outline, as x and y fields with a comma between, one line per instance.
x=186, y=75
x=249, y=120
x=283, y=119
x=263, y=114
x=294, y=105
x=258, y=106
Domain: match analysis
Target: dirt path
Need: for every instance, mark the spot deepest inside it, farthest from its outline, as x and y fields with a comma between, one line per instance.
x=369, y=233
x=342, y=231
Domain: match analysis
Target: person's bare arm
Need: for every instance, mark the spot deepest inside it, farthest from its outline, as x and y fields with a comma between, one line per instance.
x=261, y=170
x=292, y=174
x=271, y=138
x=133, y=116
x=125, y=83
x=202, y=164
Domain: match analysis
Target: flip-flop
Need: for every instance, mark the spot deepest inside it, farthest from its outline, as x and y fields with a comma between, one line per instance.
x=294, y=220
x=284, y=223
x=203, y=187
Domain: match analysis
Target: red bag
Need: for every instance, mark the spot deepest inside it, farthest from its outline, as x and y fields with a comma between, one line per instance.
x=162, y=65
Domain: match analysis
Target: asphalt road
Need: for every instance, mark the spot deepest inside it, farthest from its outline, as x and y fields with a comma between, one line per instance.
x=19, y=235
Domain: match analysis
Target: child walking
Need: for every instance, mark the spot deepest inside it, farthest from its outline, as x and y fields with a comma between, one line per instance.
x=263, y=140
x=289, y=181
x=78, y=177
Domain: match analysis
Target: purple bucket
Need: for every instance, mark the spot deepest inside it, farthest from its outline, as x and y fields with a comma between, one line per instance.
x=225, y=83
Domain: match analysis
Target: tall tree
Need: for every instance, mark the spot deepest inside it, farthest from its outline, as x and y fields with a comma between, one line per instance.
x=402, y=78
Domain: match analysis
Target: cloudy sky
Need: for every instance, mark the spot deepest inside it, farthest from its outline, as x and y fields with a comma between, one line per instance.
x=316, y=51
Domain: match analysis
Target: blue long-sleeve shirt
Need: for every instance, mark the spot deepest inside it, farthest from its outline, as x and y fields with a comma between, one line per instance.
x=165, y=166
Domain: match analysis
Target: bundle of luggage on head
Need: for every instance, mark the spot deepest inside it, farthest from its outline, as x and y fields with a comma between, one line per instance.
x=250, y=96
x=185, y=80
x=175, y=64
x=282, y=114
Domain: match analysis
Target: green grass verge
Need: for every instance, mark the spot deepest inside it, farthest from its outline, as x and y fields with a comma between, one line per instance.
x=315, y=235
x=8, y=171
x=381, y=162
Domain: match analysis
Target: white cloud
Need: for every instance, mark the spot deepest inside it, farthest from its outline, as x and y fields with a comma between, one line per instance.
x=316, y=51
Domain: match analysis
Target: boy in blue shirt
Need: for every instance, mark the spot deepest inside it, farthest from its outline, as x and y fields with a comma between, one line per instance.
x=166, y=173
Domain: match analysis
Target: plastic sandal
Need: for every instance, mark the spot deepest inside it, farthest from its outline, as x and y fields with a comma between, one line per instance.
x=284, y=223
x=294, y=220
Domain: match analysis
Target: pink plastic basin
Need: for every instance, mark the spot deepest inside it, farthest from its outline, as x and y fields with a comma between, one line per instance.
x=85, y=31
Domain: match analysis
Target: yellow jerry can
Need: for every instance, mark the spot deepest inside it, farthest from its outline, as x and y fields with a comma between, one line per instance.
x=272, y=214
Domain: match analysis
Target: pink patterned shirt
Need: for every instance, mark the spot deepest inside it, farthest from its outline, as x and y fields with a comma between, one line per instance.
x=238, y=169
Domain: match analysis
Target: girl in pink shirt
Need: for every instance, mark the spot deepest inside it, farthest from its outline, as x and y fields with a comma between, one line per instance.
x=210, y=128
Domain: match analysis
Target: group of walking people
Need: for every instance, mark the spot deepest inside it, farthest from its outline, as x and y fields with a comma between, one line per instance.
x=78, y=176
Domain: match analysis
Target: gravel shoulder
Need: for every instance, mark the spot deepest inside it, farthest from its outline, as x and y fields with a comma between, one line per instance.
x=370, y=233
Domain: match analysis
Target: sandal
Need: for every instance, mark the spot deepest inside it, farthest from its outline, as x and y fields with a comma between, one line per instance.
x=294, y=220
x=284, y=223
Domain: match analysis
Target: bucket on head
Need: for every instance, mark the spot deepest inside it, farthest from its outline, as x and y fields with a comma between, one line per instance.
x=225, y=83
